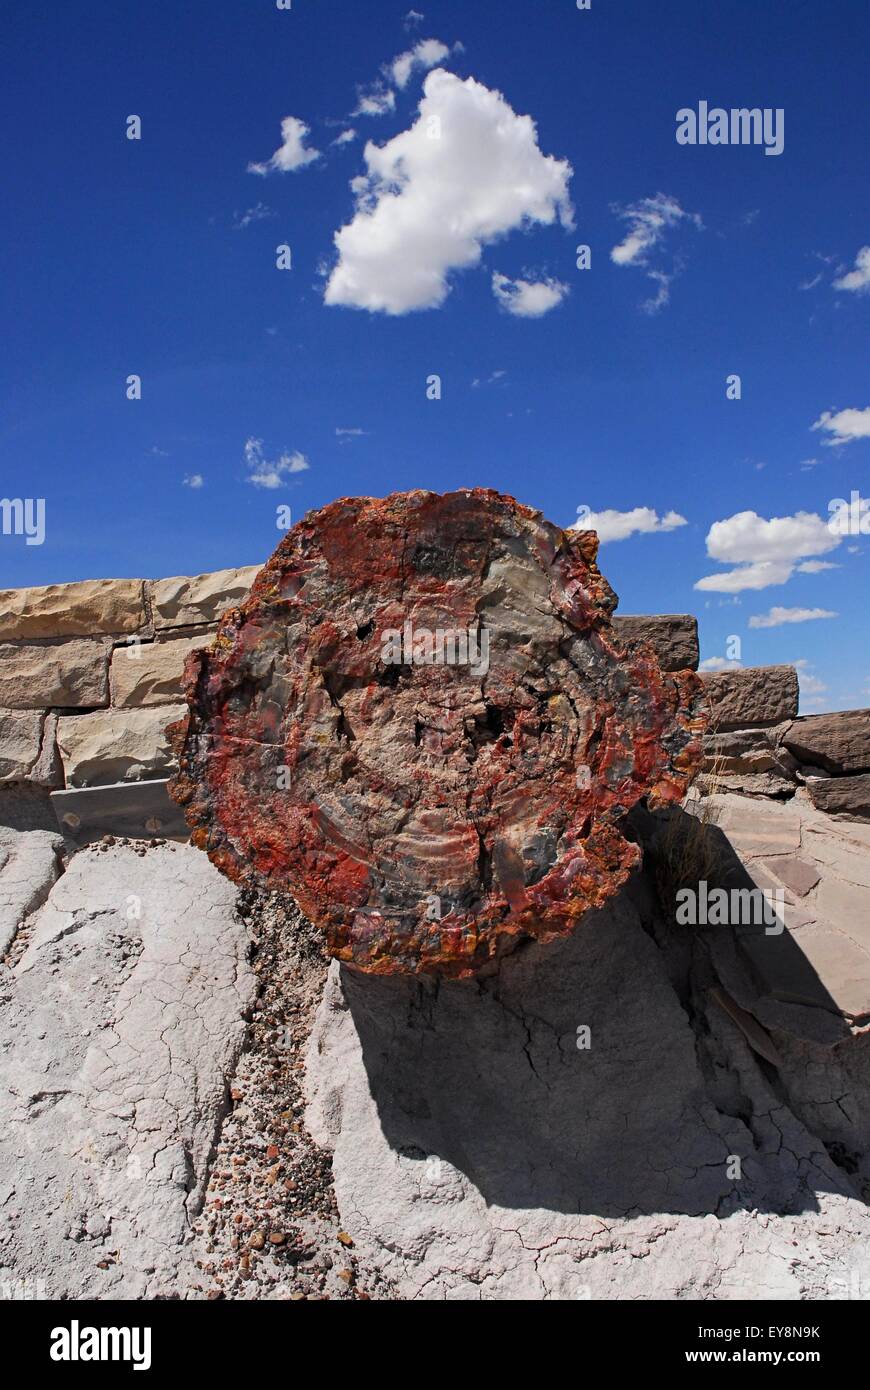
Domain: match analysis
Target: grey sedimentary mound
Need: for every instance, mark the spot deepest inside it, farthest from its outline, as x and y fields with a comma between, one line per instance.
x=119, y=1026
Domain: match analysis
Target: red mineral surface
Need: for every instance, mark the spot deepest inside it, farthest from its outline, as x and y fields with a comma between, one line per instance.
x=421, y=726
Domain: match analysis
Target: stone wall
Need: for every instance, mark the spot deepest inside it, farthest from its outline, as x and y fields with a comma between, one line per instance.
x=757, y=744
x=90, y=677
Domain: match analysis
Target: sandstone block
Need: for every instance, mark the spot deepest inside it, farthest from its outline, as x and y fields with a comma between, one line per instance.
x=753, y=695
x=20, y=742
x=150, y=673
x=842, y=796
x=837, y=742
x=89, y=607
x=186, y=600
x=749, y=761
x=115, y=745
x=70, y=674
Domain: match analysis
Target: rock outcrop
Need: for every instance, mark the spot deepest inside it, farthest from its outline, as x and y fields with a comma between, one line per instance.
x=422, y=725
x=122, y=1015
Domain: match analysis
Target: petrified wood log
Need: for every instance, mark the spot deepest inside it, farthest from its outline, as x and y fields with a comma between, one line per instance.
x=421, y=725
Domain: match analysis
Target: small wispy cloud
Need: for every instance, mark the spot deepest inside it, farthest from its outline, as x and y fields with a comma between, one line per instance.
x=194, y=480
x=648, y=222
x=346, y=137
x=528, y=299
x=258, y=213
x=857, y=280
x=426, y=54
x=292, y=153
x=269, y=473
x=379, y=100
x=778, y=617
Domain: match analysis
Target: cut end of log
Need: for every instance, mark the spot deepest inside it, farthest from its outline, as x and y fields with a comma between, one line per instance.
x=422, y=726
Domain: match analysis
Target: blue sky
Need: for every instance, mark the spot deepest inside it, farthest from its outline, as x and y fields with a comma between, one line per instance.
x=157, y=257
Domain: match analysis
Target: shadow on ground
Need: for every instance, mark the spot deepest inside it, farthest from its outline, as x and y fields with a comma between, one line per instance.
x=671, y=1107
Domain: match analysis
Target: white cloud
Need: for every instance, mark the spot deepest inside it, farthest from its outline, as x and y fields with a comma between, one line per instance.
x=465, y=174
x=777, y=617
x=413, y=17
x=528, y=299
x=263, y=472
x=292, y=153
x=378, y=101
x=845, y=425
x=427, y=54
x=720, y=663
x=858, y=279
x=662, y=295
x=648, y=220
x=618, y=526
x=815, y=566
x=765, y=552
x=345, y=138
x=194, y=480
x=258, y=213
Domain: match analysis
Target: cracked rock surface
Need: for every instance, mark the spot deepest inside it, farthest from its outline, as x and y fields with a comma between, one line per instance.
x=29, y=865
x=120, y=1025
x=423, y=726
